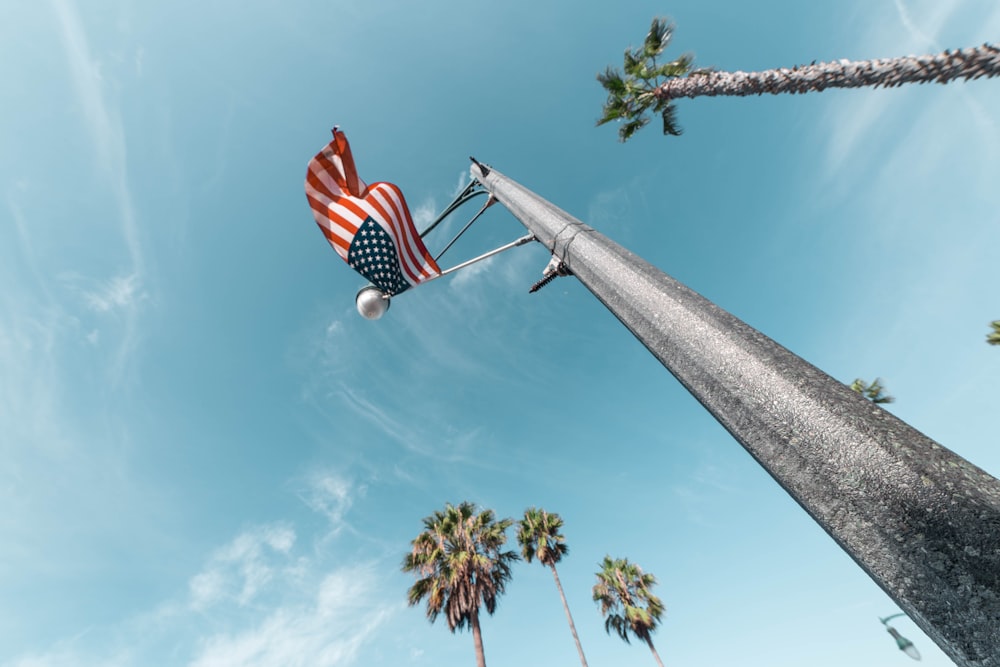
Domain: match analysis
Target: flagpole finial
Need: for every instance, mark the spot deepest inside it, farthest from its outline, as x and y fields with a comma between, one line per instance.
x=484, y=170
x=372, y=302
x=335, y=130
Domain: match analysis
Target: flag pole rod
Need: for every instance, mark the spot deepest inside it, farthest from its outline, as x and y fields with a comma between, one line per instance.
x=465, y=195
x=489, y=202
x=513, y=244
x=920, y=520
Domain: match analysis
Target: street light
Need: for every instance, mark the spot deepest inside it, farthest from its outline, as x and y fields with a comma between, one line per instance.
x=904, y=644
x=918, y=518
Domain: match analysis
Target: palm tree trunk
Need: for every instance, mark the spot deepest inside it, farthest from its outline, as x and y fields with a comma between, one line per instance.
x=649, y=640
x=569, y=617
x=889, y=72
x=477, y=640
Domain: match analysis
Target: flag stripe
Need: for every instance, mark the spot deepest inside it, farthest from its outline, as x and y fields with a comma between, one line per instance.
x=386, y=219
x=337, y=229
x=422, y=261
x=344, y=159
x=341, y=203
x=382, y=202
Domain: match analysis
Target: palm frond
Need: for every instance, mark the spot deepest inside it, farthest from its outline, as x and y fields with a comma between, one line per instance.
x=670, y=126
x=993, y=338
x=626, y=131
x=658, y=37
x=874, y=392
x=612, y=81
x=614, y=109
x=618, y=624
x=680, y=67
x=633, y=62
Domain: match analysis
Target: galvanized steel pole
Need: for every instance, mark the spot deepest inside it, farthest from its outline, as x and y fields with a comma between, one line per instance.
x=923, y=522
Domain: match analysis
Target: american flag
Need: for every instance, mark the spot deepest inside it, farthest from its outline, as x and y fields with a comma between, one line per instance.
x=369, y=226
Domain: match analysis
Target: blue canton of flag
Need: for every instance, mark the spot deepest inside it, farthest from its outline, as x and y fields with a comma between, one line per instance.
x=373, y=255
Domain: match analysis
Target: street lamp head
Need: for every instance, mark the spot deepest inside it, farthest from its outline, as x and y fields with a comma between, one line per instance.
x=911, y=651
x=904, y=644
x=372, y=302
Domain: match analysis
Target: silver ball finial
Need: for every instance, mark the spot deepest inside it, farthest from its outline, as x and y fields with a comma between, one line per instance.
x=372, y=302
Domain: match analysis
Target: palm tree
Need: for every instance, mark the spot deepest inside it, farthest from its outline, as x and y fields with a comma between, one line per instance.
x=627, y=602
x=539, y=536
x=460, y=565
x=646, y=85
x=993, y=338
x=873, y=392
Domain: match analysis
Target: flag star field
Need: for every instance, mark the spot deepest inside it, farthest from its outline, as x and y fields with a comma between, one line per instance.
x=373, y=255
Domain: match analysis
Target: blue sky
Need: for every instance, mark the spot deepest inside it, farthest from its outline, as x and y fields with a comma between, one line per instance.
x=210, y=460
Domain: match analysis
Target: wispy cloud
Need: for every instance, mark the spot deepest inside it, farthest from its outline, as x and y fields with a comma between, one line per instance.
x=263, y=598
x=855, y=123
x=936, y=15
x=468, y=276
x=103, y=122
x=916, y=166
x=242, y=568
x=121, y=292
x=461, y=183
x=397, y=430
x=331, y=495
x=327, y=631
x=424, y=214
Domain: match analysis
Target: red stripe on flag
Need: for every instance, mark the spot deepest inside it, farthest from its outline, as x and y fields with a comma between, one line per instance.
x=396, y=228
x=410, y=244
x=341, y=202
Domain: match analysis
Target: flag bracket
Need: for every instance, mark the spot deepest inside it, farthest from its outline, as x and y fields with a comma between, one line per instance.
x=489, y=202
x=471, y=191
x=496, y=251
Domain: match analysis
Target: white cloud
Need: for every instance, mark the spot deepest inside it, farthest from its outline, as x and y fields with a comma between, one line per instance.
x=331, y=495
x=424, y=214
x=380, y=418
x=242, y=568
x=467, y=277
x=104, y=126
x=327, y=631
x=856, y=123
x=104, y=123
x=914, y=170
x=316, y=616
x=118, y=293
x=66, y=654
x=461, y=183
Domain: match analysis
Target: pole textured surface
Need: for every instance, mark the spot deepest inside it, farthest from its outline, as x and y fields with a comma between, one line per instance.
x=923, y=522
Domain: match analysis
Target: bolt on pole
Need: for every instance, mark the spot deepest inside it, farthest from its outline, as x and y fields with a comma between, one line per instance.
x=922, y=521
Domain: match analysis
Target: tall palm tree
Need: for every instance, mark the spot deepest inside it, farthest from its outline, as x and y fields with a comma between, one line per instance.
x=874, y=392
x=993, y=337
x=627, y=602
x=460, y=567
x=647, y=85
x=539, y=536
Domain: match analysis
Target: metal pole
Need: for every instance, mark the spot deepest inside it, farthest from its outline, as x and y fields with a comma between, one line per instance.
x=923, y=522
